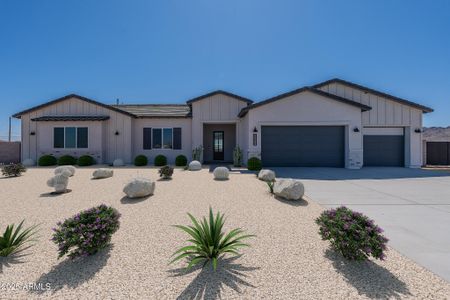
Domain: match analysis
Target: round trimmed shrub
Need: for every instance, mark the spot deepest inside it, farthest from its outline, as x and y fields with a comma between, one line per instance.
x=47, y=160
x=352, y=234
x=181, y=161
x=86, y=160
x=67, y=160
x=86, y=232
x=160, y=160
x=254, y=164
x=140, y=160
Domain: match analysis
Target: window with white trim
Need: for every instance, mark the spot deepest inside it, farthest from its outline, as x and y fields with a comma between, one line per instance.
x=70, y=137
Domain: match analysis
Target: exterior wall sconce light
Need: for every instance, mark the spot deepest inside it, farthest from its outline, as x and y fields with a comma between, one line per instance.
x=116, y=133
x=32, y=133
x=417, y=130
x=356, y=129
x=255, y=130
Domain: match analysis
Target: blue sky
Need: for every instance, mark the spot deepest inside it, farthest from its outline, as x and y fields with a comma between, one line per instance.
x=170, y=51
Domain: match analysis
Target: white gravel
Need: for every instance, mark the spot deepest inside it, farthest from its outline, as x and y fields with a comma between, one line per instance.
x=287, y=260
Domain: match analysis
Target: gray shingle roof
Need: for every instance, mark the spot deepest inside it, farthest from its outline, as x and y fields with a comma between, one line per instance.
x=156, y=110
x=71, y=118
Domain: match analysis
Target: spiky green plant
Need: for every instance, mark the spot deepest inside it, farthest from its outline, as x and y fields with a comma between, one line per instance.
x=270, y=184
x=208, y=241
x=14, y=240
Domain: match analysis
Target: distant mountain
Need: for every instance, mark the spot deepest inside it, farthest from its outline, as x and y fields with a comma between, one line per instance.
x=436, y=134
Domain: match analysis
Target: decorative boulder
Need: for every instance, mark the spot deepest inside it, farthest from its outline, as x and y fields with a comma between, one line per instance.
x=139, y=187
x=60, y=181
x=61, y=169
x=195, y=165
x=118, y=162
x=28, y=162
x=103, y=173
x=289, y=189
x=221, y=173
x=266, y=175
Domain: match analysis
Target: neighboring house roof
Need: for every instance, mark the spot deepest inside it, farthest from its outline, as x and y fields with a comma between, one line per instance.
x=156, y=110
x=425, y=109
x=19, y=114
x=304, y=89
x=248, y=101
x=71, y=118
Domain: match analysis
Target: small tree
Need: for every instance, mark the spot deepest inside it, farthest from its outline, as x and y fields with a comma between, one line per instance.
x=197, y=153
x=237, y=156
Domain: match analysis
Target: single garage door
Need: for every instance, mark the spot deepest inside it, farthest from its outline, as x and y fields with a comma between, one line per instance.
x=302, y=146
x=384, y=150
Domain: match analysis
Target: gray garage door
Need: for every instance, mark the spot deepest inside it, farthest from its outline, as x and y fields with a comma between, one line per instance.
x=384, y=150
x=302, y=146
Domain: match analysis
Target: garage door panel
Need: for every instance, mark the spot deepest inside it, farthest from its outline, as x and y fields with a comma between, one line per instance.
x=384, y=150
x=309, y=146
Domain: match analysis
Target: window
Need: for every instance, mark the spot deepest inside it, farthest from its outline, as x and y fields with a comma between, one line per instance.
x=162, y=138
x=70, y=137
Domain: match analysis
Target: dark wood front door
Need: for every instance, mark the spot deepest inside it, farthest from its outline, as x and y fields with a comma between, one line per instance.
x=218, y=147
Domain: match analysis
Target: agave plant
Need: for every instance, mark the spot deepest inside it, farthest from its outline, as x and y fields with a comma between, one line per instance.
x=208, y=241
x=14, y=240
x=270, y=184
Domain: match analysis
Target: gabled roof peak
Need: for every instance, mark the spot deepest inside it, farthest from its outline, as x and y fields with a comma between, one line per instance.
x=217, y=92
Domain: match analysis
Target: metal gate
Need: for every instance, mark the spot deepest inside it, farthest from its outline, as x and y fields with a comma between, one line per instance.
x=438, y=153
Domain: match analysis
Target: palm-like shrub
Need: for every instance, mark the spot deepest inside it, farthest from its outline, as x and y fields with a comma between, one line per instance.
x=181, y=161
x=352, y=234
x=66, y=160
x=208, y=241
x=140, y=160
x=270, y=184
x=13, y=170
x=47, y=160
x=165, y=172
x=160, y=160
x=85, y=160
x=87, y=232
x=254, y=164
x=14, y=240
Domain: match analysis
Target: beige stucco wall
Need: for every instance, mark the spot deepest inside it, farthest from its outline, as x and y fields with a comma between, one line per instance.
x=307, y=108
x=215, y=109
x=387, y=113
x=116, y=146
x=186, y=137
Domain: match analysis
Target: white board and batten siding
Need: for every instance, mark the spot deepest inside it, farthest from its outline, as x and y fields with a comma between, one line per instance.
x=103, y=142
x=386, y=114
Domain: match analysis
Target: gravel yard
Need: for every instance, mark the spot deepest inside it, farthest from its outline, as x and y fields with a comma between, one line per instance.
x=287, y=260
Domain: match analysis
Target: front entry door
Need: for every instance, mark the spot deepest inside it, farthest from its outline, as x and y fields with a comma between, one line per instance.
x=218, y=146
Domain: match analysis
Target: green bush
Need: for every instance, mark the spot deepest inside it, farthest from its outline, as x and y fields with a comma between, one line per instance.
x=67, y=160
x=87, y=232
x=352, y=234
x=13, y=241
x=86, y=160
x=180, y=161
x=254, y=164
x=208, y=241
x=141, y=160
x=47, y=160
x=160, y=160
x=13, y=170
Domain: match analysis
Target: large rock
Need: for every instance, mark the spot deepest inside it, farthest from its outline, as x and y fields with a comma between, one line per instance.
x=221, y=173
x=266, y=175
x=60, y=181
x=289, y=189
x=195, y=165
x=71, y=169
x=118, y=162
x=139, y=187
x=103, y=173
x=28, y=162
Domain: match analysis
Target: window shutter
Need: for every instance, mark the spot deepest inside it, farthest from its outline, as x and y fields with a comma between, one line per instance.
x=58, y=137
x=82, y=137
x=177, y=138
x=147, y=138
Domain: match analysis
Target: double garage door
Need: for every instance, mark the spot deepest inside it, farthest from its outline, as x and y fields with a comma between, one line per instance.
x=324, y=146
x=303, y=146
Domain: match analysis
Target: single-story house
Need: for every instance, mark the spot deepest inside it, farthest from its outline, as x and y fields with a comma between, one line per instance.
x=332, y=124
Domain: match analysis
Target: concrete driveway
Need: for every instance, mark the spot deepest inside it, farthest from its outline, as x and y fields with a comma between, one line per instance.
x=411, y=205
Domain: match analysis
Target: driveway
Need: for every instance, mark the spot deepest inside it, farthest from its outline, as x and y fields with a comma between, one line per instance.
x=411, y=205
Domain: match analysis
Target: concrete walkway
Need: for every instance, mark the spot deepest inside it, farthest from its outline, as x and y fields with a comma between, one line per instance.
x=411, y=205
